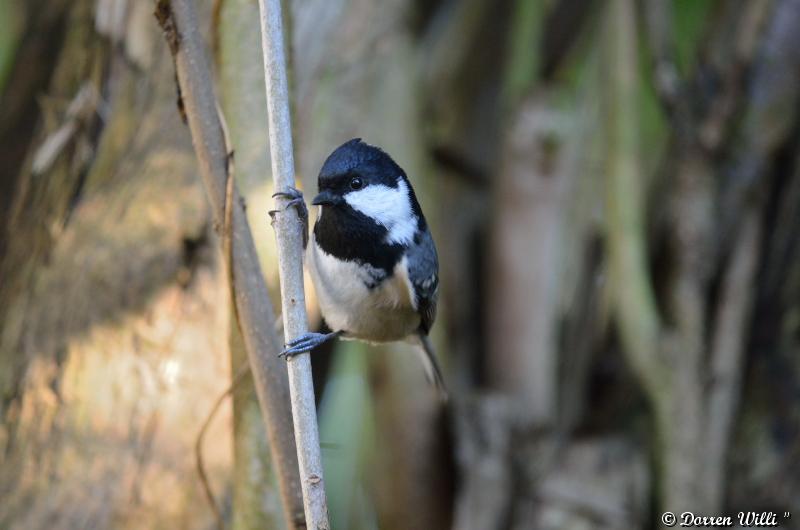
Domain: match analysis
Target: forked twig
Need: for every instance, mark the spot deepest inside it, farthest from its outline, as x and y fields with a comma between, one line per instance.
x=198, y=445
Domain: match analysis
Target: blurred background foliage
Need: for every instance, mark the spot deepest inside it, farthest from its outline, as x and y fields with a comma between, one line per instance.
x=614, y=188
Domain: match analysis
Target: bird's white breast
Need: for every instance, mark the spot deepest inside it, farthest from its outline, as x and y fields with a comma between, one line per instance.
x=387, y=312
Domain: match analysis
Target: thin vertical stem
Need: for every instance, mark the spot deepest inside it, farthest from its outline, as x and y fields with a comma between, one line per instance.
x=289, y=235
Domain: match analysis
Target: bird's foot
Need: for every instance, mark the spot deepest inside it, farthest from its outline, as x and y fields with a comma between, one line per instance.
x=296, y=201
x=307, y=342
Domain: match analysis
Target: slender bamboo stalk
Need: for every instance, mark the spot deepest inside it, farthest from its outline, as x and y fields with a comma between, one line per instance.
x=289, y=233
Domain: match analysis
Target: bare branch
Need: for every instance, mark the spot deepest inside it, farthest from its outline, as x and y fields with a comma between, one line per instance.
x=198, y=445
x=728, y=51
x=242, y=371
x=634, y=299
x=769, y=118
x=727, y=350
x=251, y=298
x=290, y=233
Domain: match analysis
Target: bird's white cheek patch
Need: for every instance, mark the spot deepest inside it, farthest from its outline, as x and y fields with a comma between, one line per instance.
x=390, y=207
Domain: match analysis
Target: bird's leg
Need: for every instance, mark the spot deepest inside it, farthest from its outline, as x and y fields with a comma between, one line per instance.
x=296, y=200
x=307, y=342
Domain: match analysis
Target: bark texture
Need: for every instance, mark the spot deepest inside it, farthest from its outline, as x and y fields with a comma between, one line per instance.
x=111, y=292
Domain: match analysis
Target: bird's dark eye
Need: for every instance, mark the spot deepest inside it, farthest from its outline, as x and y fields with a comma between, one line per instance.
x=356, y=183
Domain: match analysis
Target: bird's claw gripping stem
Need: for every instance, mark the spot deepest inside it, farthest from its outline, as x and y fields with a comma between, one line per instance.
x=295, y=197
x=307, y=342
x=296, y=201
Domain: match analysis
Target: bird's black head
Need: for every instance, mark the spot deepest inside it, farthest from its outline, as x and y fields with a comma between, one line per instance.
x=355, y=166
x=369, y=210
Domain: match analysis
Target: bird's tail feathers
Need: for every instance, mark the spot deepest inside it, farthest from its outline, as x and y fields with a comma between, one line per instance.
x=432, y=370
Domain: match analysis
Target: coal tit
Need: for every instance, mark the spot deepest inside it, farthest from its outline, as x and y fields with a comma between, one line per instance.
x=371, y=255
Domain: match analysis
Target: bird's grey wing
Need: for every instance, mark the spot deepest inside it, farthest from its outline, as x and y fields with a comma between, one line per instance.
x=423, y=272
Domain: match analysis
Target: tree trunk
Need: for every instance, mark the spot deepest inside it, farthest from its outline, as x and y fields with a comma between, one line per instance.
x=111, y=294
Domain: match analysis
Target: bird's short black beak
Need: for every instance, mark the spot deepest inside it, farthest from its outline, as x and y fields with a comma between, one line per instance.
x=325, y=198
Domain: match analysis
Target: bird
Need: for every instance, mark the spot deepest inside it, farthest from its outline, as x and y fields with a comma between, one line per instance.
x=370, y=255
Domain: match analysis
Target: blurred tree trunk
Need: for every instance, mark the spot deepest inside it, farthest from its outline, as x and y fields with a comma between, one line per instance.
x=112, y=348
